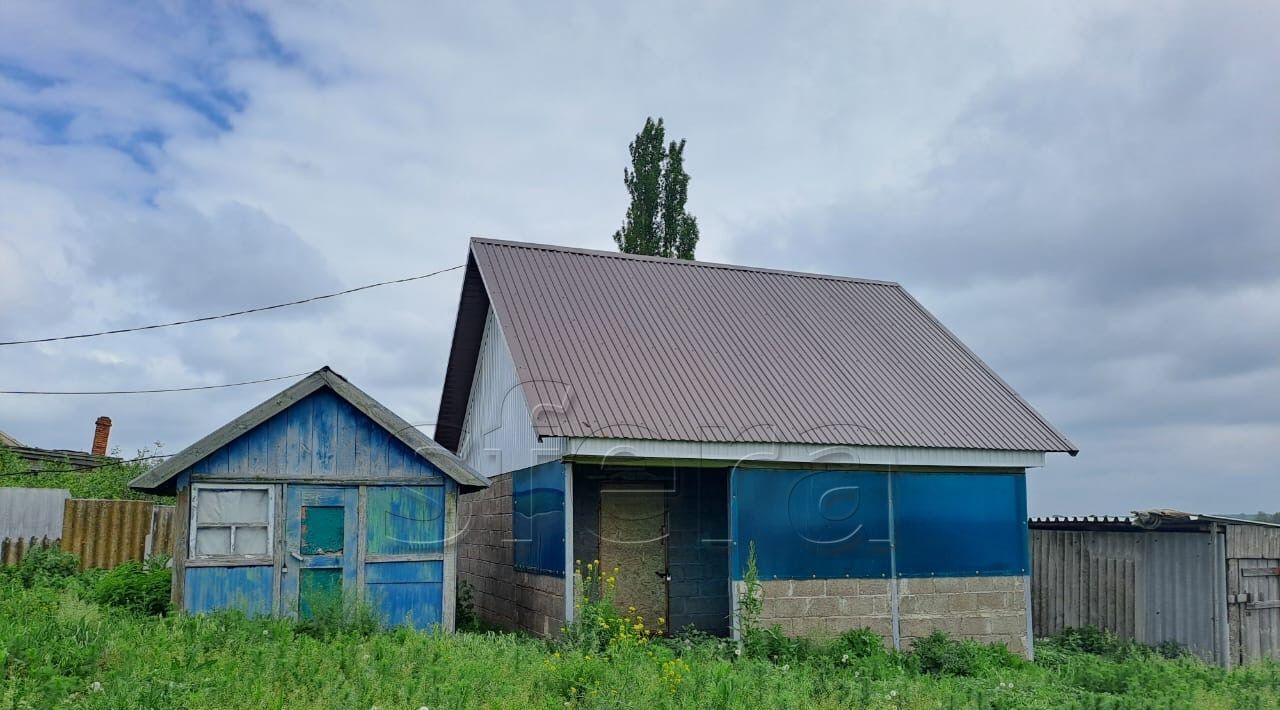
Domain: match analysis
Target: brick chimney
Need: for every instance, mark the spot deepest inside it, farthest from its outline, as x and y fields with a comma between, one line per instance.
x=101, y=433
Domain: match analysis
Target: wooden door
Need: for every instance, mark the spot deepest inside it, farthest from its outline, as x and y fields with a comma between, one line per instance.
x=633, y=537
x=1260, y=612
x=320, y=543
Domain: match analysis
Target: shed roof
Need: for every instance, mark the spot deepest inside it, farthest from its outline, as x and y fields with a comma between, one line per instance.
x=1165, y=519
x=611, y=345
x=161, y=477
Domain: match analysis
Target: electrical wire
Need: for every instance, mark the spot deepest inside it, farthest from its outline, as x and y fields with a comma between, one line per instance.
x=232, y=314
x=154, y=391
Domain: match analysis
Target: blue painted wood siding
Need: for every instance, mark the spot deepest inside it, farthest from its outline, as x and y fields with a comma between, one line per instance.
x=248, y=589
x=320, y=437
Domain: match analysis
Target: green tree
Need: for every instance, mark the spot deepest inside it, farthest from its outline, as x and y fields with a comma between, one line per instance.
x=657, y=223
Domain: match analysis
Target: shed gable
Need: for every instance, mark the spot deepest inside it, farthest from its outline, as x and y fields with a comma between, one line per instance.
x=319, y=437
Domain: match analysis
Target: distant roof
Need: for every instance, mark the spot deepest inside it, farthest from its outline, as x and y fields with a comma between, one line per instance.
x=1154, y=519
x=9, y=441
x=59, y=459
x=611, y=345
x=159, y=478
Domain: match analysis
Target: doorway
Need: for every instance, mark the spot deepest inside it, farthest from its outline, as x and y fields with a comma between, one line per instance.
x=633, y=538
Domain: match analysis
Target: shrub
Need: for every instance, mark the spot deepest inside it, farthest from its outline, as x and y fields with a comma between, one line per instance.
x=1097, y=642
x=143, y=589
x=465, y=615
x=939, y=654
x=859, y=643
x=47, y=566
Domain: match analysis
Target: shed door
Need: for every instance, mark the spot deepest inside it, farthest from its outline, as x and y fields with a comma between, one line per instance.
x=1260, y=630
x=320, y=549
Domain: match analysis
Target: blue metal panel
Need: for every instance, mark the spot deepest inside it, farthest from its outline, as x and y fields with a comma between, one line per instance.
x=537, y=518
x=960, y=524
x=321, y=436
x=409, y=593
x=811, y=524
x=248, y=589
x=404, y=520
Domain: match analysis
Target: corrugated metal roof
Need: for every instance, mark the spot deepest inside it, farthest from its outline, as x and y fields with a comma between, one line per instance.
x=616, y=345
x=1155, y=518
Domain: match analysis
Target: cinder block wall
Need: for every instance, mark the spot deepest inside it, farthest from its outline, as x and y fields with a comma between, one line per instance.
x=985, y=609
x=698, y=551
x=502, y=596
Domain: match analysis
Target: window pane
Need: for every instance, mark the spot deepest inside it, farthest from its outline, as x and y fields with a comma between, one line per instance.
x=213, y=541
x=232, y=506
x=251, y=541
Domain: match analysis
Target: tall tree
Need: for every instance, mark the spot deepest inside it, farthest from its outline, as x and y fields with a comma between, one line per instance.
x=657, y=223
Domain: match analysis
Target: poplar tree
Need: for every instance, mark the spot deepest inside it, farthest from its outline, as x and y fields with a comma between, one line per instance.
x=657, y=223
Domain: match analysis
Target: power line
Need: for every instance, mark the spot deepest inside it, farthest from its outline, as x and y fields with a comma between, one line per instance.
x=154, y=391
x=232, y=314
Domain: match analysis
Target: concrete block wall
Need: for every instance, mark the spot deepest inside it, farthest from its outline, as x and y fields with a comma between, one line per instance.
x=501, y=595
x=985, y=609
x=698, y=551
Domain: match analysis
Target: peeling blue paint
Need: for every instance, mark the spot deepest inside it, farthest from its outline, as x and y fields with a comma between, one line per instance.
x=248, y=589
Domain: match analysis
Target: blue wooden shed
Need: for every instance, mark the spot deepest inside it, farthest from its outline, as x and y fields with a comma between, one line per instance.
x=317, y=492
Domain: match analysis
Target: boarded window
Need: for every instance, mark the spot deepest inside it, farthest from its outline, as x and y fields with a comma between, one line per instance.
x=231, y=522
x=537, y=522
x=405, y=520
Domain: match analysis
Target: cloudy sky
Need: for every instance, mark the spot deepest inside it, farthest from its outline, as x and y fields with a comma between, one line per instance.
x=1088, y=196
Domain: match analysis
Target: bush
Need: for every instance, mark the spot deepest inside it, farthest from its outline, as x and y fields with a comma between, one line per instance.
x=47, y=566
x=143, y=589
x=1097, y=642
x=597, y=624
x=939, y=654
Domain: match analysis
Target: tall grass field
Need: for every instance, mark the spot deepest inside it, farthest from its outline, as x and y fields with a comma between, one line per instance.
x=105, y=640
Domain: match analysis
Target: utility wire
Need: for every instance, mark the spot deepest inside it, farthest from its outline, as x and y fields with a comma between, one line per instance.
x=153, y=391
x=229, y=315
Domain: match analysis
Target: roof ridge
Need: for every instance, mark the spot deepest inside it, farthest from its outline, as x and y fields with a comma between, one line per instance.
x=678, y=262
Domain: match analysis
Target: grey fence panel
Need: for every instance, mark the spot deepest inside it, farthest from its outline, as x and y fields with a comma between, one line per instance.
x=32, y=512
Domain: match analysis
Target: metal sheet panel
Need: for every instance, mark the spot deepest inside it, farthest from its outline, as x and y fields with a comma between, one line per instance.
x=105, y=533
x=498, y=433
x=1150, y=586
x=960, y=524
x=32, y=512
x=537, y=522
x=623, y=346
x=807, y=524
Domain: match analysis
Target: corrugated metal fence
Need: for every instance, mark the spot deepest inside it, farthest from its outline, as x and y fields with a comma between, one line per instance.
x=102, y=533
x=1149, y=586
x=31, y=512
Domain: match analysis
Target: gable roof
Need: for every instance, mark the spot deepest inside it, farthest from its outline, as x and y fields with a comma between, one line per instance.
x=162, y=475
x=610, y=345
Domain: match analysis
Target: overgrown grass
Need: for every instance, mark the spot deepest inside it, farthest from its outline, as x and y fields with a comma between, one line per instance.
x=59, y=648
x=111, y=481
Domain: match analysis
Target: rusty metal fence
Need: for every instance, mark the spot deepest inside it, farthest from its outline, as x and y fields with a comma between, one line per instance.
x=103, y=533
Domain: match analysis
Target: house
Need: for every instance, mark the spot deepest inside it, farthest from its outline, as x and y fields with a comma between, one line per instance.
x=36, y=459
x=667, y=417
x=1208, y=583
x=316, y=493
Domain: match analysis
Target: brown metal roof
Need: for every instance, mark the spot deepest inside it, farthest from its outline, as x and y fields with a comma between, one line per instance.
x=616, y=345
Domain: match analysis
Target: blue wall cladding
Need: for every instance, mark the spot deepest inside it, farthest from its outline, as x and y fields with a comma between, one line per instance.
x=806, y=524
x=408, y=593
x=537, y=518
x=249, y=589
x=960, y=524
x=830, y=524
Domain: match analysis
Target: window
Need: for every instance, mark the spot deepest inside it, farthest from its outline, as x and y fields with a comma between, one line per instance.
x=231, y=521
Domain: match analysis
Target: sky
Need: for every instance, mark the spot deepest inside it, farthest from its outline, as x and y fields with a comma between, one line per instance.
x=1086, y=194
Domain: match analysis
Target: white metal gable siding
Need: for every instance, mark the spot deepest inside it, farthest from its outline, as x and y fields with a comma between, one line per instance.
x=497, y=432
